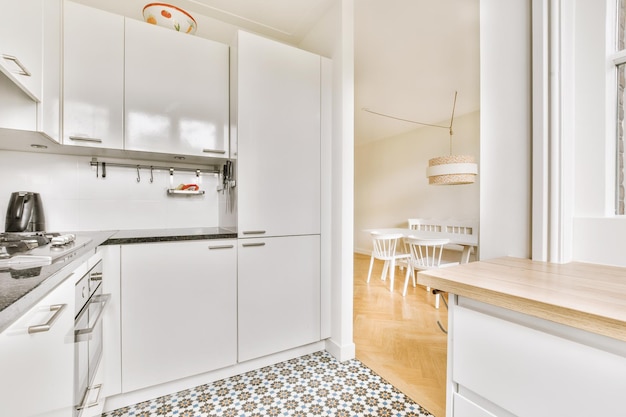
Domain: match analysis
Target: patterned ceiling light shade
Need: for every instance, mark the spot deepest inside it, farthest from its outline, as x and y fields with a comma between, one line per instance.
x=452, y=170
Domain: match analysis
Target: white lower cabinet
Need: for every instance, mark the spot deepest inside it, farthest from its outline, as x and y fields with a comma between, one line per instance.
x=37, y=361
x=504, y=363
x=279, y=294
x=178, y=310
x=467, y=408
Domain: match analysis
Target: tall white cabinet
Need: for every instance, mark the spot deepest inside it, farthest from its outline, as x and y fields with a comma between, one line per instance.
x=277, y=114
x=278, y=124
x=279, y=294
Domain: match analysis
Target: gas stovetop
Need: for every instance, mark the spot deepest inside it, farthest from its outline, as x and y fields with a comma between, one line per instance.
x=36, y=248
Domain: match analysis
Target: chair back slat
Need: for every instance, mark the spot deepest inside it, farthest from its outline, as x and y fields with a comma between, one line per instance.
x=425, y=253
x=385, y=244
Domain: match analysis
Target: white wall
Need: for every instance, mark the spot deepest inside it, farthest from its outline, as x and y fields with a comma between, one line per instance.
x=75, y=200
x=391, y=184
x=505, y=143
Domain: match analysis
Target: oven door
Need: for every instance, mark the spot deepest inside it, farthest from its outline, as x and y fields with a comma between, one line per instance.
x=88, y=339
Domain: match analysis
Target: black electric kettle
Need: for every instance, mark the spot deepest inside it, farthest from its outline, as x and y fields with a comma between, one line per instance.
x=25, y=213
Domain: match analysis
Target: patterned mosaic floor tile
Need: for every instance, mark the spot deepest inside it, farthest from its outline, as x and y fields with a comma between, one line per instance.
x=311, y=385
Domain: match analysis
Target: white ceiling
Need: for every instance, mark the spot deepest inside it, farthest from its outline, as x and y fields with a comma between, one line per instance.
x=410, y=55
x=410, y=58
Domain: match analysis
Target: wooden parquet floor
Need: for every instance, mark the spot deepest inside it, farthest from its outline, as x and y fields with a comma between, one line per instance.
x=398, y=337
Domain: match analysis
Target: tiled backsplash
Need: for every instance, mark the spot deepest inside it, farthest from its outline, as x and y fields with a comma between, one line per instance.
x=74, y=199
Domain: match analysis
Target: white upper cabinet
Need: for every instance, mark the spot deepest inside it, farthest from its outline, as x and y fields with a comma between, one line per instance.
x=21, y=44
x=93, y=102
x=177, y=97
x=49, y=114
x=278, y=123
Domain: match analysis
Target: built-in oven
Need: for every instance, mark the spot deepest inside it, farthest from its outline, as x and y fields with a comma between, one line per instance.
x=90, y=303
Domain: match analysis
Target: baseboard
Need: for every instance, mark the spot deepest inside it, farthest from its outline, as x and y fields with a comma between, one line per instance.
x=146, y=394
x=341, y=353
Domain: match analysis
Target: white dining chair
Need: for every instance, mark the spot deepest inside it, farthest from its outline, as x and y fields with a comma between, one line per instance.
x=424, y=254
x=385, y=249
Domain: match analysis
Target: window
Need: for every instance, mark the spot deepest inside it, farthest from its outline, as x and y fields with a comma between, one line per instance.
x=620, y=63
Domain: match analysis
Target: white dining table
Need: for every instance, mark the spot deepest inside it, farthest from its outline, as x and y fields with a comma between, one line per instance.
x=466, y=241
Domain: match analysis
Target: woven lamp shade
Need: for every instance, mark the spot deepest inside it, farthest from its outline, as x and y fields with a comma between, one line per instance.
x=452, y=170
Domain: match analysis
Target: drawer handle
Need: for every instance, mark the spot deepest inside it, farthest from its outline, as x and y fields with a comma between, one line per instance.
x=23, y=69
x=254, y=232
x=213, y=151
x=86, y=398
x=85, y=139
x=222, y=247
x=246, y=245
x=38, y=328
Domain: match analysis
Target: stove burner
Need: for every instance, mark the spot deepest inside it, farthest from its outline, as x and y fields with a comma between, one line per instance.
x=14, y=243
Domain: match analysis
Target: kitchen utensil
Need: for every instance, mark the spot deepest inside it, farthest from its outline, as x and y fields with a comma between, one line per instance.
x=172, y=17
x=25, y=213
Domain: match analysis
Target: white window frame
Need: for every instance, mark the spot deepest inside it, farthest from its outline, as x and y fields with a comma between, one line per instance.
x=615, y=59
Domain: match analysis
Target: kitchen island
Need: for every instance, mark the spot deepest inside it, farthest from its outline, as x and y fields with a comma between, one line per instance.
x=533, y=338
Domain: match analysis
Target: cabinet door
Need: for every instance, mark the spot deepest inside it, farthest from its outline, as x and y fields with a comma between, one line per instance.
x=38, y=368
x=278, y=111
x=93, y=93
x=279, y=294
x=179, y=310
x=21, y=44
x=49, y=114
x=176, y=92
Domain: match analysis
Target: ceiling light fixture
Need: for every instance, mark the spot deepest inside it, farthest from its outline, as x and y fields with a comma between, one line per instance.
x=449, y=169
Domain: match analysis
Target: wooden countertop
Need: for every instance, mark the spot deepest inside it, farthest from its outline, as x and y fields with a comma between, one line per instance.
x=585, y=296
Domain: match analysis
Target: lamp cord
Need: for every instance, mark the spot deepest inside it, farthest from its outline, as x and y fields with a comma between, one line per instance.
x=421, y=123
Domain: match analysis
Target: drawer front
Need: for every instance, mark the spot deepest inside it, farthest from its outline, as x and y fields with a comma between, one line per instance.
x=463, y=407
x=531, y=372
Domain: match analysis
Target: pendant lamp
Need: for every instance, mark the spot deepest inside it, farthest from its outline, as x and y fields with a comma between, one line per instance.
x=449, y=169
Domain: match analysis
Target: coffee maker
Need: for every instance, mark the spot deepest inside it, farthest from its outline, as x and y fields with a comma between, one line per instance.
x=25, y=213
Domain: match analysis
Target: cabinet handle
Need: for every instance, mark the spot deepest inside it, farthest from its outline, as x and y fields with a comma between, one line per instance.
x=85, y=139
x=96, y=401
x=95, y=276
x=222, y=247
x=38, y=328
x=213, y=151
x=23, y=69
x=246, y=245
x=254, y=232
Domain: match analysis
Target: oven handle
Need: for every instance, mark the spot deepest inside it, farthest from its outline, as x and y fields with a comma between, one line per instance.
x=86, y=397
x=81, y=335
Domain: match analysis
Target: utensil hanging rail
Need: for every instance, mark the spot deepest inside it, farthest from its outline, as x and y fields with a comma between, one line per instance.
x=211, y=169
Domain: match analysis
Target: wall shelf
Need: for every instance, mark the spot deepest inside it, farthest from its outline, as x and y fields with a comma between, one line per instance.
x=184, y=192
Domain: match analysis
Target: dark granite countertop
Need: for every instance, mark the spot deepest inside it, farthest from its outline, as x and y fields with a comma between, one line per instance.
x=20, y=290
x=125, y=237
